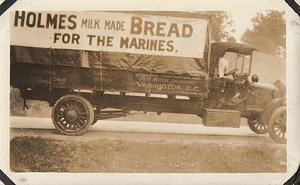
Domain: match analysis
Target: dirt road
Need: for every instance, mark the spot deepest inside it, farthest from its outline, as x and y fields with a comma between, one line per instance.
x=140, y=147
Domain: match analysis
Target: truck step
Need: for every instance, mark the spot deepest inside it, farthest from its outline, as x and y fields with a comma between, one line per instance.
x=222, y=118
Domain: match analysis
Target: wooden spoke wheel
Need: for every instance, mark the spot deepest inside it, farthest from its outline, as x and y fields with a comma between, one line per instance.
x=72, y=115
x=277, y=125
x=256, y=125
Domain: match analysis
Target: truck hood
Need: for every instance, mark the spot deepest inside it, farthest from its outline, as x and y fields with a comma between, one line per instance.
x=278, y=87
x=267, y=86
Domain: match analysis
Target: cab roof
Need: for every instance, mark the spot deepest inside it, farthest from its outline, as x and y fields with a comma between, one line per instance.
x=219, y=48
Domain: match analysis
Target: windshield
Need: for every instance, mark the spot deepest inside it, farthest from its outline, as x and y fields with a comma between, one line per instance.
x=238, y=61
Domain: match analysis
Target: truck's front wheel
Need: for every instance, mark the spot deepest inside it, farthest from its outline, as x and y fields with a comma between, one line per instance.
x=256, y=125
x=72, y=115
x=277, y=125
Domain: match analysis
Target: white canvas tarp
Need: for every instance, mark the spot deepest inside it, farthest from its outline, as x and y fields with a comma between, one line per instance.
x=125, y=32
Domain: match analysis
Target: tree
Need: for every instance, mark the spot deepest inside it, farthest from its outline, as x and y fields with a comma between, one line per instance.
x=221, y=24
x=268, y=32
x=231, y=39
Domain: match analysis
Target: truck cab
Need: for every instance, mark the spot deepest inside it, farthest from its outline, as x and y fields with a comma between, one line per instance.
x=230, y=68
x=237, y=90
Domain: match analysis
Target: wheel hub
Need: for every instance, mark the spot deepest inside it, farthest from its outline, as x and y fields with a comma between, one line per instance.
x=71, y=115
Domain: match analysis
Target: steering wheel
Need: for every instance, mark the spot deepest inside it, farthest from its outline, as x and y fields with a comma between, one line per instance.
x=231, y=72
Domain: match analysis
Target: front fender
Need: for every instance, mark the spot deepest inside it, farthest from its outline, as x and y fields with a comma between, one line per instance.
x=270, y=107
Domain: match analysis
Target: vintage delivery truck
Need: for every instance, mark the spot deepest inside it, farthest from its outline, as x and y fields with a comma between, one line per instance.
x=81, y=83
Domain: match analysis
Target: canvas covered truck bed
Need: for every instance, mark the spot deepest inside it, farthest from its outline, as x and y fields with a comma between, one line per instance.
x=107, y=71
x=111, y=51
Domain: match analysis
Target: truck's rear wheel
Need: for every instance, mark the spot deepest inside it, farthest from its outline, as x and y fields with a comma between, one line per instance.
x=277, y=125
x=96, y=111
x=72, y=115
x=256, y=125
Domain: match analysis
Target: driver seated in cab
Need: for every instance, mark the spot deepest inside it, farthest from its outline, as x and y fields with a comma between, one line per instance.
x=223, y=67
x=224, y=72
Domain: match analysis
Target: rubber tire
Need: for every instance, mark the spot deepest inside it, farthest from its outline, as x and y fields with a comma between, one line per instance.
x=87, y=105
x=94, y=121
x=97, y=109
x=274, y=115
x=254, y=129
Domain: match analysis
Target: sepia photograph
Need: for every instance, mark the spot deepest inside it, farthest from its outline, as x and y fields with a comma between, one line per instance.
x=148, y=91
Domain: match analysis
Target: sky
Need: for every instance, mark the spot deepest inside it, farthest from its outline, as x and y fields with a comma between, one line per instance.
x=241, y=24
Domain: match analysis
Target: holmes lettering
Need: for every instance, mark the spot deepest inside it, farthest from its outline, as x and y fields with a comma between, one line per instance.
x=34, y=19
